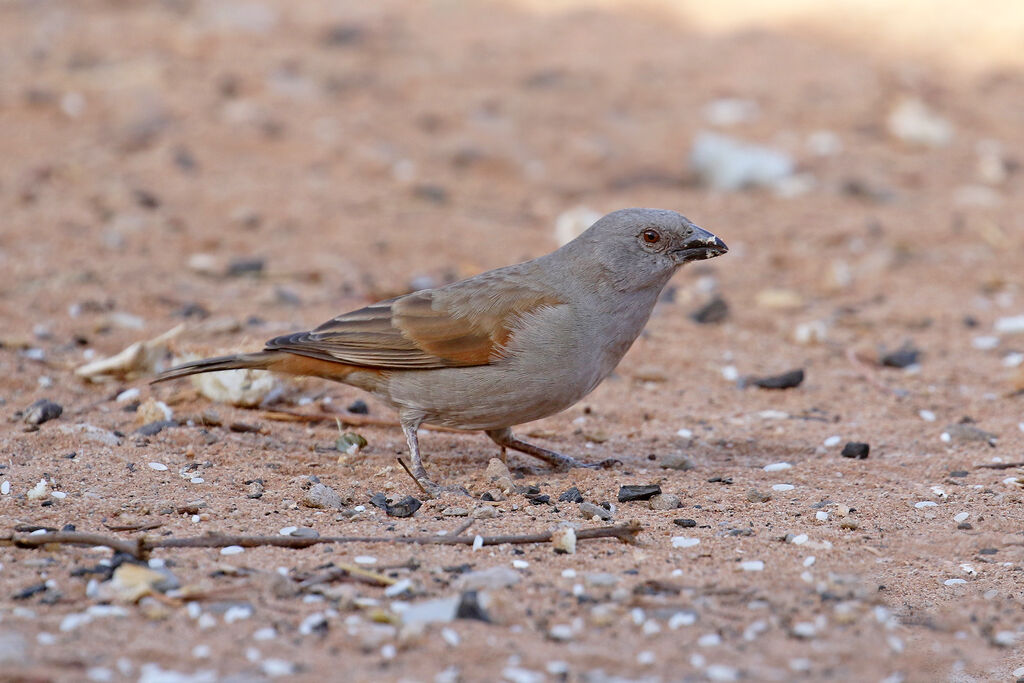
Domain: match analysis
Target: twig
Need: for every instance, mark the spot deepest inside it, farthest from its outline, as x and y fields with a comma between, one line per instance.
x=346, y=418
x=999, y=465
x=462, y=528
x=140, y=546
x=140, y=526
x=413, y=477
x=347, y=571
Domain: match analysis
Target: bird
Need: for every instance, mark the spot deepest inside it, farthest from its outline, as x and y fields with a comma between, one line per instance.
x=501, y=348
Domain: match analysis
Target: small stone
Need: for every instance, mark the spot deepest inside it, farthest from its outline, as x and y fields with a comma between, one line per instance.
x=913, y=122
x=755, y=496
x=350, y=443
x=777, y=467
x=714, y=311
x=564, y=540
x=968, y=433
x=782, y=487
x=358, y=407
x=484, y=512
x=650, y=373
x=321, y=496
x=406, y=507
x=42, y=411
x=455, y=512
x=638, y=492
x=304, y=532
x=787, y=380
x=152, y=410
x=40, y=490
x=685, y=523
x=961, y=517
x=856, y=449
x=752, y=566
x=571, y=495
x=154, y=428
x=676, y=461
x=665, y=501
x=684, y=542
x=158, y=466
x=588, y=510
x=901, y=358
x=246, y=266
x=497, y=473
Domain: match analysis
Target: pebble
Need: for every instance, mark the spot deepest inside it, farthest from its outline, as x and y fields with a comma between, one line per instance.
x=680, y=619
x=725, y=163
x=676, y=461
x=782, y=487
x=1010, y=325
x=777, y=467
x=752, y=566
x=901, y=358
x=913, y=122
x=571, y=495
x=755, y=496
x=985, y=342
x=321, y=496
x=588, y=510
x=685, y=523
x=406, y=507
x=232, y=550
x=787, y=380
x=684, y=541
x=484, y=512
x=520, y=564
x=714, y=311
x=153, y=411
x=961, y=517
x=638, y=492
x=455, y=512
x=665, y=501
x=497, y=473
x=42, y=411
x=821, y=516
x=954, y=582
x=805, y=629
x=927, y=415
x=564, y=540
x=709, y=640
x=856, y=449
x=684, y=433
x=365, y=559
x=158, y=466
x=967, y=433
x=925, y=504
x=5, y=488
x=154, y=428
x=38, y=491
x=832, y=441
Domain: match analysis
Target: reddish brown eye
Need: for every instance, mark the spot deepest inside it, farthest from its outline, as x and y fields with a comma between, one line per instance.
x=651, y=236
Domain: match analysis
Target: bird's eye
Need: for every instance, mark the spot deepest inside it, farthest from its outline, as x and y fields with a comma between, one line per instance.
x=651, y=236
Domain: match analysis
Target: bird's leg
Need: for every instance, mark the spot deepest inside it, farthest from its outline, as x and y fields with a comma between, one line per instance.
x=419, y=472
x=505, y=439
x=504, y=454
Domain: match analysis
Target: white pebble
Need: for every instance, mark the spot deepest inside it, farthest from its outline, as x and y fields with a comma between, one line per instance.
x=961, y=517
x=478, y=542
x=1012, y=481
x=925, y=504
x=777, y=467
x=397, y=588
x=360, y=508
x=968, y=569
x=927, y=415
x=752, y=566
x=59, y=495
x=1005, y=638
x=99, y=674
x=799, y=539
x=684, y=542
x=685, y=433
x=38, y=491
x=237, y=613
x=821, y=516
x=954, y=582
x=782, y=487
x=194, y=609
x=520, y=564
x=1013, y=360
x=680, y=619
x=940, y=492
x=809, y=560
x=5, y=488
x=709, y=640
x=944, y=437
x=197, y=480
x=832, y=441
x=451, y=636
x=267, y=633
x=365, y=559
x=201, y=651
x=196, y=519
x=637, y=615
x=773, y=415
x=697, y=660
x=730, y=373
x=1010, y=325
x=651, y=627
x=800, y=664
x=985, y=342
x=273, y=667
x=560, y=632
x=721, y=672
x=568, y=573
x=805, y=629
x=232, y=550
x=128, y=395
x=45, y=638
x=158, y=466
x=645, y=658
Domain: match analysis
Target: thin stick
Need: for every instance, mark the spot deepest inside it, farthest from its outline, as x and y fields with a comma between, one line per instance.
x=140, y=546
x=413, y=477
x=461, y=529
x=999, y=465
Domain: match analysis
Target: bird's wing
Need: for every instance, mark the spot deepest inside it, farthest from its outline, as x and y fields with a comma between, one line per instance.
x=449, y=327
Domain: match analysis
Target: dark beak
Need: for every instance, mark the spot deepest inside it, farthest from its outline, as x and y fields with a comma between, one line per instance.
x=699, y=246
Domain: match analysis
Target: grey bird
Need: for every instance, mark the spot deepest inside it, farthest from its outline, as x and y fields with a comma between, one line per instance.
x=501, y=348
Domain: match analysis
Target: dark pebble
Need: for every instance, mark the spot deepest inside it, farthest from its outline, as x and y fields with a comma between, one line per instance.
x=964, y=526
x=431, y=193
x=246, y=266
x=146, y=199
x=787, y=380
x=243, y=427
x=42, y=411
x=154, y=428
x=358, y=407
x=342, y=35
x=572, y=495
x=68, y=527
x=638, y=492
x=406, y=507
x=988, y=551
x=714, y=311
x=901, y=358
x=720, y=480
x=539, y=499
x=959, y=473
x=470, y=608
x=685, y=523
x=487, y=496
x=26, y=593
x=856, y=449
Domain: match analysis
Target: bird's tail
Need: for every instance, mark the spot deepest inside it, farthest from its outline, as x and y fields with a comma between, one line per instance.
x=260, y=360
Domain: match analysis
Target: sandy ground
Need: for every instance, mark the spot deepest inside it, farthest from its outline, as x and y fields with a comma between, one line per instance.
x=358, y=151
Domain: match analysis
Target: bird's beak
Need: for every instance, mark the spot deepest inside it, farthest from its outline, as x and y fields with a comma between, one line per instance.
x=699, y=246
